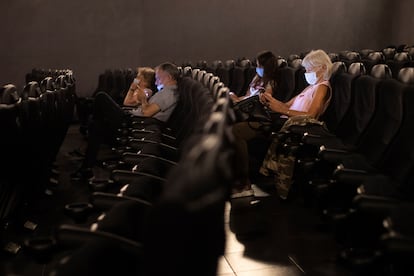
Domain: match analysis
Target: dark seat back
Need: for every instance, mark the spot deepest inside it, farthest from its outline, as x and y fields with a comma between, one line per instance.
x=399, y=61
x=399, y=158
x=386, y=121
x=341, y=82
x=363, y=104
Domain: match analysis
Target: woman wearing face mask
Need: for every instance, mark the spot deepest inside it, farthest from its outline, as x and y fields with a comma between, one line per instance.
x=265, y=78
x=144, y=81
x=312, y=101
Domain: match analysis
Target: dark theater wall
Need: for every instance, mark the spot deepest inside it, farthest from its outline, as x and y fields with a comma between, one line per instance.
x=90, y=36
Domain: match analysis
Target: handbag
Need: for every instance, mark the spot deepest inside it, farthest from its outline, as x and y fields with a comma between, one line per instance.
x=251, y=109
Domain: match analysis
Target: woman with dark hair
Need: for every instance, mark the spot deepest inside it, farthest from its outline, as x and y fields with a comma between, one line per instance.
x=265, y=78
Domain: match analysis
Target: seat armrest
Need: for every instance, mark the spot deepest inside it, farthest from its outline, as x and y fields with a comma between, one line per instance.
x=354, y=176
x=140, y=133
x=332, y=155
x=317, y=139
x=134, y=158
x=138, y=143
x=74, y=235
x=371, y=204
x=124, y=176
x=105, y=201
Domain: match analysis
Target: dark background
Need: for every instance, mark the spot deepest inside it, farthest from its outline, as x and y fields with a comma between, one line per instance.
x=90, y=36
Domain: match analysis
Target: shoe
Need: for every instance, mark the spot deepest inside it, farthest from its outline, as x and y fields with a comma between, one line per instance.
x=258, y=192
x=82, y=174
x=245, y=193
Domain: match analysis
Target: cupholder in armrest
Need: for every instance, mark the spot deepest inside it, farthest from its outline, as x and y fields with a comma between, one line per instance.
x=100, y=185
x=78, y=211
x=41, y=248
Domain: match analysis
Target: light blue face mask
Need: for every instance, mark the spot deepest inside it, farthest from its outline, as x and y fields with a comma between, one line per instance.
x=260, y=71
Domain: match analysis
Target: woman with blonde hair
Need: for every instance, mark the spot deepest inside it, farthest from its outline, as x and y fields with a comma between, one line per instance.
x=144, y=81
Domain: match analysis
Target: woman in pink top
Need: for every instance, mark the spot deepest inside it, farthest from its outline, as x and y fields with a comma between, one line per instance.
x=312, y=102
x=315, y=98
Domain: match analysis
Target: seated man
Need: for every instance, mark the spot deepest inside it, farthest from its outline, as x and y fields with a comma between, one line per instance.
x=108, y=116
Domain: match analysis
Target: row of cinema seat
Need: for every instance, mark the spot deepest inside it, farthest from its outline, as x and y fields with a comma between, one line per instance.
x=162, y=213
x=168, y=180
x=237, y=73
x=33, y=123
x=359, y=170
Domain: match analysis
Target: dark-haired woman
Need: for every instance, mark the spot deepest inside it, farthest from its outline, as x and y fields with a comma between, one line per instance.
x=265, y=78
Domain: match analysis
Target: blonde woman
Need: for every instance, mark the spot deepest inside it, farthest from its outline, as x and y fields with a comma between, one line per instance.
x=144, y=81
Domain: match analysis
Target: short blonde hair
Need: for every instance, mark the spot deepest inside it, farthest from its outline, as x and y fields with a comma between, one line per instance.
x=318, y=58
x=147, y=73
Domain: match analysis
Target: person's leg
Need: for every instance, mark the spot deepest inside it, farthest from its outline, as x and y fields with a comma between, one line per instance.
x=107, y=118
x=243, y=132
x=107, y=113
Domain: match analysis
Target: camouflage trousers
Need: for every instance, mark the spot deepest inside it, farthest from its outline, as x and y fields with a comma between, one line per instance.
x=282, y=165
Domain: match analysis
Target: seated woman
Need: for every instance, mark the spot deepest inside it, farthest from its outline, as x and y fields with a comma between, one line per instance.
x=312, y=101
x=144, y=80
x=265, y=78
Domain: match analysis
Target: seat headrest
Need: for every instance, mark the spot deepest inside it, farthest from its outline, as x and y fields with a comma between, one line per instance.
x=33, y=89
x=194, y=73
x=47, y=84
x=187, y=71
x=245, y=63
x=60, y=81
x=293, y=57
x=350, y=55
x=217, y=64
x=389, y=52
x=296, y=63
x=334, y=57
x=281, y=62
x=230, y=63
x=9, y=94
x=381, y=71
x=403, y=56
x=338, y=67
x=201, y=64
x=357, y=68
x=365, y=52
x=410, y=51
x=376, y=56
x=406, y=75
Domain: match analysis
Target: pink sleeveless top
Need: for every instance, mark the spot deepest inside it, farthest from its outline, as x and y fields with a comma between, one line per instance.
x=304, y=100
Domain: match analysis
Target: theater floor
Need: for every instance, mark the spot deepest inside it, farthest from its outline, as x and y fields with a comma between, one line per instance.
x=267, y=238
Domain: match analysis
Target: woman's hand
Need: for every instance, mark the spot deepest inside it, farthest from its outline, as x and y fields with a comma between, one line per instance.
x=140, y=94
x=272, y=103
x=234, y=97
x=134, y=84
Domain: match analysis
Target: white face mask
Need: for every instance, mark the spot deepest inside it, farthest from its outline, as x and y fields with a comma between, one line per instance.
x=311, y=78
